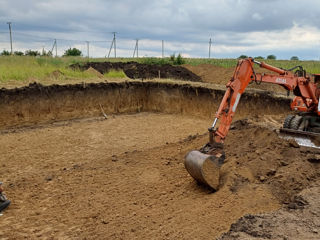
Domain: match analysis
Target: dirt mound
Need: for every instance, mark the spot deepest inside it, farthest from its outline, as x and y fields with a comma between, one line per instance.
x=136, y=70
x=297, y=220
x=210, y=73
x=220, y=75
x=264, y=158
x=94, y=72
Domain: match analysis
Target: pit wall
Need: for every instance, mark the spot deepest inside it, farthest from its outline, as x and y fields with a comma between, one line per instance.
x=37, y=104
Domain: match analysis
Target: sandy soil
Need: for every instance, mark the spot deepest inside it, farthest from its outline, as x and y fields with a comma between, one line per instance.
x=220, y=75
x=123, y=178
x=297, y=220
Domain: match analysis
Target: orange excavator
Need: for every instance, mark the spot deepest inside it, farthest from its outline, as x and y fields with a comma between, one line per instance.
x=204, y=164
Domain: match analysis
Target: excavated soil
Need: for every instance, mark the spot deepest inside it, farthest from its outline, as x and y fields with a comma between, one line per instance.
x=220, y=75
x=136, y=70
x=297, y=220
x=77, y=165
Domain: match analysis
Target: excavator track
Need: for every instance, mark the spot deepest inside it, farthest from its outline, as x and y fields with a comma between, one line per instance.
x=298, y=128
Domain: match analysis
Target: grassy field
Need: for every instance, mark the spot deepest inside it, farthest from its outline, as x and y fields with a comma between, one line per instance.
x=23, y=68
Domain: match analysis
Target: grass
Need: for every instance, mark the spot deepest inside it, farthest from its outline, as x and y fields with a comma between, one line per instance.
x=115, y=74
x=22, y=68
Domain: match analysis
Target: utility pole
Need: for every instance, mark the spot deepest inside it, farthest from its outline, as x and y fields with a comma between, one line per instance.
x=113, y=44
x=9, y=23
x=162, y=49
x=88, y=49
x=54, y=46
x=136, y=48
x=210, y=42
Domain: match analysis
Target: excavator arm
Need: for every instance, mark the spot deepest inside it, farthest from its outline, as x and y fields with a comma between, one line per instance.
x=204, y=165
x=243, y=75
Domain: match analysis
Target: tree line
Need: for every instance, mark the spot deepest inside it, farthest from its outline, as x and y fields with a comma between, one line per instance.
x=33, y=53
x=270, y=57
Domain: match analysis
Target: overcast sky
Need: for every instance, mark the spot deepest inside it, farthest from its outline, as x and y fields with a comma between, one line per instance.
x=284, y=28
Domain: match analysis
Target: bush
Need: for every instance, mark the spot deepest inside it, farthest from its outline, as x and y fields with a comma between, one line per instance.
x=294, y=58
x=172, y=57
x=177, y=60
x=271, y=57
x=242, y=56
x=5, y=53
x=72, y=52
x=18, y=53
x=31, y=53
x=45, y=53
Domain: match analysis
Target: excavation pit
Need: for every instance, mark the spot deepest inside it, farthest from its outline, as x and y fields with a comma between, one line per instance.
x=105, y=161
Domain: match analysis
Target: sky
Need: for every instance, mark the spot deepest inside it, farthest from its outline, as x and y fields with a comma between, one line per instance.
x=284, y=28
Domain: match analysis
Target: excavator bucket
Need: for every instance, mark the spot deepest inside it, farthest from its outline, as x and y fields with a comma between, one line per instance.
x=204, y=168
x=204, y=165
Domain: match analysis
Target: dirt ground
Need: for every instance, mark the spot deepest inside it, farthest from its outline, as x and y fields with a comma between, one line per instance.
x=298, y=220
x=220, y=75
x=123, y=178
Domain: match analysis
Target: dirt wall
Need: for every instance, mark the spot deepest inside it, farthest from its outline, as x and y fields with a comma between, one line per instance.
x=36, y=103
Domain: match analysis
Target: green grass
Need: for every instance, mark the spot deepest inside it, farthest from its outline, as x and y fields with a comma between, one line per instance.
x=115, y=74
x=21, y=68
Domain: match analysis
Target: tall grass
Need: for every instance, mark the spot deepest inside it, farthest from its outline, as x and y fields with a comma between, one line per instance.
x=22, y=68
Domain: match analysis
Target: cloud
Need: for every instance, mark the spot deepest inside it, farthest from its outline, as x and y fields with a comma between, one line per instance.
x=236, y=26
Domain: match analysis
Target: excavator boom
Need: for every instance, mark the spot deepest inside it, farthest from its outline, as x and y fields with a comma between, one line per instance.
x=202, y=164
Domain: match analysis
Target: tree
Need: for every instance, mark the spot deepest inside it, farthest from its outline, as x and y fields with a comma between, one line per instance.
x=72, y=52
x=18, y=53
x=294, y=58
x=259, y=57
x=45, y=53
x=32, y=53
x=5, y=53
x=242, y=56
x=272, y=57
x=177, y=60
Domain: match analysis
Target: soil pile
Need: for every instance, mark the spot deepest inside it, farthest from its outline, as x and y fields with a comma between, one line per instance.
x=136, y=70
x=300, y=219
x=220, y=75
x=264, y=158
x=94, y=72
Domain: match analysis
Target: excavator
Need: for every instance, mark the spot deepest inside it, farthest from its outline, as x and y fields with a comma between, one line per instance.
x=204, y=164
